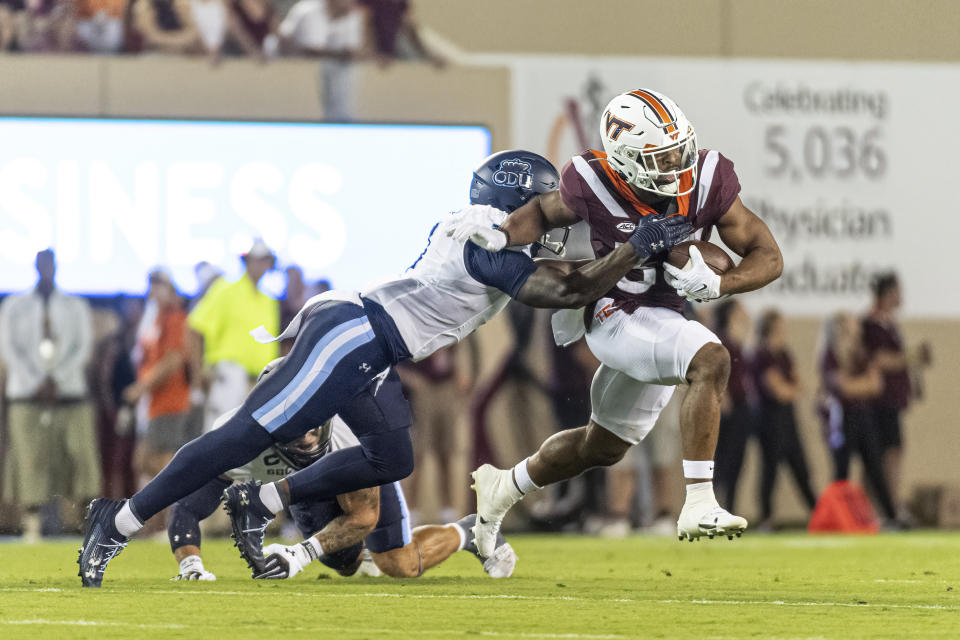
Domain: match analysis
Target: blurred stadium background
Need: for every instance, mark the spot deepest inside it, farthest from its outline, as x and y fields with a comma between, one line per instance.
x=158, y=133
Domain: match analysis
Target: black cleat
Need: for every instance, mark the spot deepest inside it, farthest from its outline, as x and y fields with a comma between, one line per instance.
x=249, y=519
x=101, y=540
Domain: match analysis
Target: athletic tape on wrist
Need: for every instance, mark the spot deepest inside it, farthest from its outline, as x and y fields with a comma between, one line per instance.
x=314, y=550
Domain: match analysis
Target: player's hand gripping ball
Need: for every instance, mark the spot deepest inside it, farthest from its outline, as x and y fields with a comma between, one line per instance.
x=695, y=268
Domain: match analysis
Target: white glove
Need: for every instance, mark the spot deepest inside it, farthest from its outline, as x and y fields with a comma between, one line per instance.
x=283, y=562
x=474, y=224
x=191, y=568
x=697, y=282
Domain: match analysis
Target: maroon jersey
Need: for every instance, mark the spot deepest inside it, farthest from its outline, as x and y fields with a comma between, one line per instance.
x=878, y=335
x=764, y=360
x=596, y=193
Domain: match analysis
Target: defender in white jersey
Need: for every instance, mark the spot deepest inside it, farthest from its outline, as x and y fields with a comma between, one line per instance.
x=367, y=530
x=343, y=340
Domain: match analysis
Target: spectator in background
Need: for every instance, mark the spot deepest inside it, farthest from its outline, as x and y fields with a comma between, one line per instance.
x=778, y=388
x=439, y=388
x=851, y=383
x=732, y=325
x=162, y=378
x=45, y=26
x=887, y=352
x=333, y=31
x=46, y=342
x=293, y=299
x=207, y=276
x=210, y=18
x=100, y=25
x=113, y=373
x=166, y=26
x=394, y=34
x=253, y=26
x=220, y=344
x=8, y=9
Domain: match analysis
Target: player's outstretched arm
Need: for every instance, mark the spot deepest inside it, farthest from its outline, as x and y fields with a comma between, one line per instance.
x=555, y=287
x=361, y=510
x=541, y=214
x=748, y=237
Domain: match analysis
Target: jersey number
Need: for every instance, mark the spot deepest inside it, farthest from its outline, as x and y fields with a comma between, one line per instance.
x=638, y=286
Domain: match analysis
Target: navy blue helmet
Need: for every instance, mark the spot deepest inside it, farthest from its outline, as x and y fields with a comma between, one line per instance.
x=508, y=179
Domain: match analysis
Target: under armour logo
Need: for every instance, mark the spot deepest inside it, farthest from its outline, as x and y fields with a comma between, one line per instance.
x=657, y=245
x=364, y=367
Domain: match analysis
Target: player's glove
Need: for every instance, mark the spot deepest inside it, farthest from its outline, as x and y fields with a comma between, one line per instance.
x=281, y=561
x=473, y=223
x=698, y=283
x=656, y=234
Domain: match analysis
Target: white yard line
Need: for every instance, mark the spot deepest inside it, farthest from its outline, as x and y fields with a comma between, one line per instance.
x=91, y=623
x=518, y=597
x=445, y=633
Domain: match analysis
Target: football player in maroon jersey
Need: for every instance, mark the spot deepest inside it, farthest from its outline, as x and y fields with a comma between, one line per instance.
x=650, y=165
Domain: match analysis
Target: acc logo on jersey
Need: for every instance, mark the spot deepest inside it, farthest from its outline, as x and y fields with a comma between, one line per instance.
x=626, y=226
x=514, y=173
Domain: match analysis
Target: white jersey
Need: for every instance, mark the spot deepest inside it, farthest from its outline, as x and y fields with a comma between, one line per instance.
x=437, y=302
x=270, y=467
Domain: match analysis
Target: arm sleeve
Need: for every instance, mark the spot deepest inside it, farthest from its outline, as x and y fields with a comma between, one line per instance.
x=572, y=191
x=505, y=270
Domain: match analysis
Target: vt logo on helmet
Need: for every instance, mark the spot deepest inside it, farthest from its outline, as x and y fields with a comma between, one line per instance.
x=657, y=154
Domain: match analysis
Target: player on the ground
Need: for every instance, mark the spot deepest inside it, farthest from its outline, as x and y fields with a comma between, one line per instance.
x=342, y=340
x=337, y=529
x=650, y=166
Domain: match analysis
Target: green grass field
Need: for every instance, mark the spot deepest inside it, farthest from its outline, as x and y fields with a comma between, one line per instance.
x=781, y=586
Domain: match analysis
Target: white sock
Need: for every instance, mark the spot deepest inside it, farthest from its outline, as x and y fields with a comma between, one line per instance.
x=700, y=492
x=462, y=533
x=125, y=522
x=191, y=563
x=521, y=478
x=270, y=497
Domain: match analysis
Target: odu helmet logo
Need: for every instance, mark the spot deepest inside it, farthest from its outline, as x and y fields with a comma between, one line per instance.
x=514, y=173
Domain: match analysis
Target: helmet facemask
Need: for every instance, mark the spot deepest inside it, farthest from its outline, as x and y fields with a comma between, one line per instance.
x=554, y=241
x=307, y=449
x=659, y=170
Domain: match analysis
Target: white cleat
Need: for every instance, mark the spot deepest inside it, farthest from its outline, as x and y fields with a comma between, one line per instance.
x=706, y=519
x=496, y=493
x=502, y=562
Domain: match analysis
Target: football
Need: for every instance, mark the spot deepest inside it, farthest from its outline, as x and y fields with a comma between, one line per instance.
x=717, y=259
